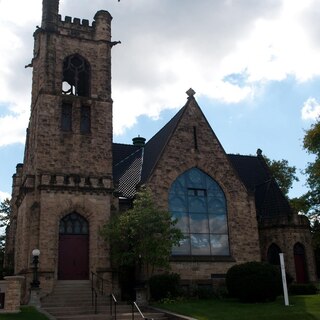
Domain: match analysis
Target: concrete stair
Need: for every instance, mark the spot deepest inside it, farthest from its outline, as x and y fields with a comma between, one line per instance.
x=72, y=300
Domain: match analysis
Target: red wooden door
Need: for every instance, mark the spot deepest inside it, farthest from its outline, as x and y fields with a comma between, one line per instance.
x=300, y=265
x=73, y=257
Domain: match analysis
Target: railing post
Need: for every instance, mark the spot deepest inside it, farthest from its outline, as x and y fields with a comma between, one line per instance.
x=132, y=312
x=95, y=305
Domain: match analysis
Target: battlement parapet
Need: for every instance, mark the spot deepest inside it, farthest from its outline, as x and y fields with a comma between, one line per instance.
x=76, y=24
x=99, y=29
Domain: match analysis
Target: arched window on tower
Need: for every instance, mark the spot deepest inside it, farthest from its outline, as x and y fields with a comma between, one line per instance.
x=76, y=76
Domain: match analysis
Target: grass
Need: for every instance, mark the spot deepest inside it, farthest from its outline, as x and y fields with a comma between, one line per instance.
x=27, y=313
x=301, y=308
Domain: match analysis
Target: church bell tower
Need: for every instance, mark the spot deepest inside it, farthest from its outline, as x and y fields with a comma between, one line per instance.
x=63, y=190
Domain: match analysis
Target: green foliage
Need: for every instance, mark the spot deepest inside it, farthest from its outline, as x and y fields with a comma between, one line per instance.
x=164, y=286
x=143, y=235
x=27, y=313
x=284, y=174
x=5, y=211
x=311, y=144
x=254, y=282
x=302, y=289
x=301, y=307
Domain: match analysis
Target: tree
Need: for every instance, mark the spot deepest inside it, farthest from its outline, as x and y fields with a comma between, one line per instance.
x=311, y=144
x=284, y=174
x=143, y=235
x=5, y=211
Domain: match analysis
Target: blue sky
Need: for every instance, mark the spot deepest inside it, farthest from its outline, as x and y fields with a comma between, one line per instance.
x=254, y=65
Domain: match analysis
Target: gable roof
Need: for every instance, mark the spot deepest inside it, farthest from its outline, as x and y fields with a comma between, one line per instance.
x=133, y=165
x=155, y=146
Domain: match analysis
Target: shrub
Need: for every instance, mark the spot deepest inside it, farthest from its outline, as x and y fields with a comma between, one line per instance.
x=302, y=288
x=254, y=282
x=205, y=292
x=164, y=286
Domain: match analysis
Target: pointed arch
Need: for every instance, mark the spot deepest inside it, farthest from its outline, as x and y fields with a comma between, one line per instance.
x=199, y=205
x=76, y=76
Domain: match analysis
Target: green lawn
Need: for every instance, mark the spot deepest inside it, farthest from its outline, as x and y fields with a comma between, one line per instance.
x=27, y=313
x=301, y=308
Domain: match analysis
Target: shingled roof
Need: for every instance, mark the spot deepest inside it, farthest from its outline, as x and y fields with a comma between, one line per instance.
x=256, y=176
x=133, y=165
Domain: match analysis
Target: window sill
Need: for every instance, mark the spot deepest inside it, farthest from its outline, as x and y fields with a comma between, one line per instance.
x=182, y=258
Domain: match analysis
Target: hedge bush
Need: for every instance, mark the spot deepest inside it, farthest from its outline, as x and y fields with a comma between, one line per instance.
x=302, y=289
x=165, y=285
x=254, y=282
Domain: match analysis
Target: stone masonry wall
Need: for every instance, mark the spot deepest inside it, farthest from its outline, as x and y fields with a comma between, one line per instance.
x=285, y=236
x=181, y=154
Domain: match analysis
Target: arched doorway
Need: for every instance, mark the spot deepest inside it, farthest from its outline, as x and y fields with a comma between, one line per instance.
x=300, y=263
x=273, y=254
x=73, y=261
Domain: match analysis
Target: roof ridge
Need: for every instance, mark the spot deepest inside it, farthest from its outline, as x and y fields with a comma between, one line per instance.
x=161, y=139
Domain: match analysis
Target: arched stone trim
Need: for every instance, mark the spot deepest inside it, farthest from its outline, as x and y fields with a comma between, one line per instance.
x=76, y=76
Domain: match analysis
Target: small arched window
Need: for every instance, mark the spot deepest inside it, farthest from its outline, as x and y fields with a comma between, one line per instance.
x=76, y=76
x=199, y=205
x=73, y=223
x=273, y=254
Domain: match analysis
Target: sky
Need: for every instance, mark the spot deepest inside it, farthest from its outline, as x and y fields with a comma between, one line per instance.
x=255, y=67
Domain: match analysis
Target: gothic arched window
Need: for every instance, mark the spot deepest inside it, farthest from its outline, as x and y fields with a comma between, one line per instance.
x=73, y=223
x=76, y=76
x=273, y=254
x=199, y=205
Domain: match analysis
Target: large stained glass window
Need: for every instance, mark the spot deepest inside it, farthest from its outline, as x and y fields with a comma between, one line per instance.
x=199, y=205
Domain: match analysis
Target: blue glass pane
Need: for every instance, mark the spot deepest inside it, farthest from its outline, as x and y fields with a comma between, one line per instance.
x=216, y=205
x=77, y=227
x=219, y=245
x=195, y=179
x=178, y=187
x=212, y=187
x=197, y=204
x=177, y=203
x=200, y=244
x=182, y=221
x=183, y=248
x=199, y=223
x=218, y=223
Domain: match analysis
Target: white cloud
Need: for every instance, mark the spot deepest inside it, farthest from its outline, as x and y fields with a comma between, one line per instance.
x=167, y=47
x=4, y=195
x=310, y=109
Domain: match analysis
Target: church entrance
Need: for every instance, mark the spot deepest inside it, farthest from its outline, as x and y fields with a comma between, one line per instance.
x=73, y=263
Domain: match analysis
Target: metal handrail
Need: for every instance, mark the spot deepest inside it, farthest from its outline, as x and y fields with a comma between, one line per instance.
x=134, y=305
x=98, y=278
x=114, y=301
x=94, y=299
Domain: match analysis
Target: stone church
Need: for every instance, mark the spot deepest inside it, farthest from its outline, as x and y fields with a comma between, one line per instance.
x=74, y=177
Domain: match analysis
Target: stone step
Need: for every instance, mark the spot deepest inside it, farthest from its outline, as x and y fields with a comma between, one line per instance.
x=72, y=300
